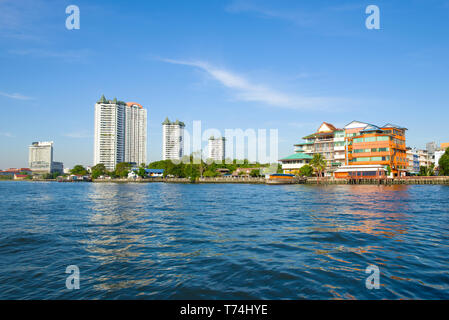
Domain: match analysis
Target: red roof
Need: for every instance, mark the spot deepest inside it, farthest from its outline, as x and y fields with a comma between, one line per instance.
x=14, y=170
x=130, y=104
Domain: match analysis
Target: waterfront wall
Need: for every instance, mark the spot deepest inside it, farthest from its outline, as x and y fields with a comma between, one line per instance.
x=238, y=179
x=385, y=181
x=261, y=180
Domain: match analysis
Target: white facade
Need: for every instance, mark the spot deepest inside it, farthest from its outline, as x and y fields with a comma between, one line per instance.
x=135, y=133
x=216, y=149
x=424, y=158
x=339, y=146
x=40, y=156
x=120, y=133
x=438, y=155
x=172, y=140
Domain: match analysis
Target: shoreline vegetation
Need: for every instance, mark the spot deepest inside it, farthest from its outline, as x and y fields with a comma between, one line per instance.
x=435, y=180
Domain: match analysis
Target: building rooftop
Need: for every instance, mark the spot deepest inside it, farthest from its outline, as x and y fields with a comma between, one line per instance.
x=298, y=156
x=389, y=125
x=177, y=122
x=103, y=100
x=130, y=104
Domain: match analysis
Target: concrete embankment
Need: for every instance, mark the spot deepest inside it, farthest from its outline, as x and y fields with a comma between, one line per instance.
x=387, y=181
x=248, y=180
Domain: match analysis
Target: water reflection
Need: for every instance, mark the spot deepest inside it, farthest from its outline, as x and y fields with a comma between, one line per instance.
x=225, y=241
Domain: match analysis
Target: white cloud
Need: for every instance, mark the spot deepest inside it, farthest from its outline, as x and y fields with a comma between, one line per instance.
x=6, y=134
x=69, y=55
x=78, y=135
x=16, y=96
x=246, y=90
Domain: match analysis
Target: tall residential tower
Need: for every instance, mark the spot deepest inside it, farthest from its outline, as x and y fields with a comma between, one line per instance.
x=172, y=140
x=216, y=149
x=120, y=133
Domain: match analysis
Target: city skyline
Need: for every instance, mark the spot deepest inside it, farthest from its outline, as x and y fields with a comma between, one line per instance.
x=326, y=67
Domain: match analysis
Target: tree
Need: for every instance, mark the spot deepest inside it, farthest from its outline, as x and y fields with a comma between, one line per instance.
x=254, y=173
x=279, y=168
x=427, y=171
x=79, y=170
x=319, y=164
x=306, y=171
x=443, y=163
x=141, y=172
x=192, y=171
x=210, y=173
x=98, y=170
x=122, y=169
x=431, y=169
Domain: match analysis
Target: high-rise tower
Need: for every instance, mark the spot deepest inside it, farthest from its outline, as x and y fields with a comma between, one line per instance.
x=172, y=140
x=120, y=133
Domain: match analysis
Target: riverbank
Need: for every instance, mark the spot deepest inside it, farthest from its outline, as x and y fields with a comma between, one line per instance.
x=386, y=181
x=262, y=180
x=245, y=180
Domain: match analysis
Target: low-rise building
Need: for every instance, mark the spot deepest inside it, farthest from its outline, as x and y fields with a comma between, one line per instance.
x=375, y=171
x=293, y=163
x=438, y=155
x=244, y=171
x=12, y=171
x=413, y=161
x=21, y=176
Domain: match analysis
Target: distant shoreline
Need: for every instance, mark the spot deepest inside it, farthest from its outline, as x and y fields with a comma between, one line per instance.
x=260, y=180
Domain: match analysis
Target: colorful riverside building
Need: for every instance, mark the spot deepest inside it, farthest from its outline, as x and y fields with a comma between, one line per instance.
x=367, y=144
x=358, y=144
x=329, y=141
x=294, y=162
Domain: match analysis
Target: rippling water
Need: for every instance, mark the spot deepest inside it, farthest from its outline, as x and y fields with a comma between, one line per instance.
x=176, y=241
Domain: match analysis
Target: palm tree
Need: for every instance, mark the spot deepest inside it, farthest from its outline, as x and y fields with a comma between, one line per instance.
x=318, y=163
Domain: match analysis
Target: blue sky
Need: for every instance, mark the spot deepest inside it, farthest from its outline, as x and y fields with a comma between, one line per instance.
x=286, y=65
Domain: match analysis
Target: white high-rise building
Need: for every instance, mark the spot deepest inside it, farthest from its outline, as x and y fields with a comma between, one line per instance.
x=40, y=158
x=216, y=149
x=120, y=133
x=135, y=133
x=172, y=140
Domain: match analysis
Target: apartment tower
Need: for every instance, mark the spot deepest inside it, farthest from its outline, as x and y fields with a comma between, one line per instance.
x=120, y=133
x=217, y=149
x=172, y=140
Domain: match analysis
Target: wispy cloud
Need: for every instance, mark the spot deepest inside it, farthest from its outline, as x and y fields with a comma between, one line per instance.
x=245, y=90
x=298, y=17
x=78, y=135
x=18, y=18
x=6, y=134
x=328, y=20
x=16, y=96
x=69, y=55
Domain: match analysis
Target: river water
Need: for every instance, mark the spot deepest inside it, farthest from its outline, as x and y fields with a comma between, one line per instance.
x=223, y=241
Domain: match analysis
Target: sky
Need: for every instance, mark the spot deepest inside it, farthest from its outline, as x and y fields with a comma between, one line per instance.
x=286, y=65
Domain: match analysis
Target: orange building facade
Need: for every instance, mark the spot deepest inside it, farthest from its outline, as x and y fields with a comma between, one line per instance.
x=367, y=144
